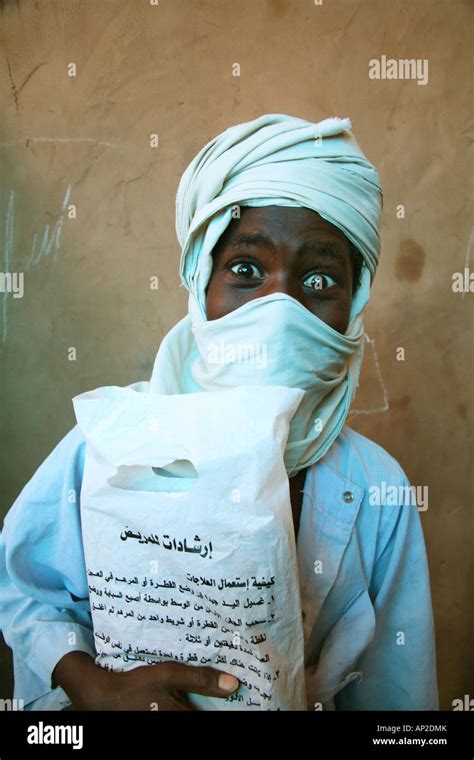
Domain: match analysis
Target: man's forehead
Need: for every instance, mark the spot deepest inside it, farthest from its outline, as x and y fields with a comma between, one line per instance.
x=270, y=221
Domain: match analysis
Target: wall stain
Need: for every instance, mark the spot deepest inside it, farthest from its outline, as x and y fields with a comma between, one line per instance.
x=401, y=403
x=410, y=261
x=278, y=7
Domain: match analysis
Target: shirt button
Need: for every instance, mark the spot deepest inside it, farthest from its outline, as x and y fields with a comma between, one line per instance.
x=303, y=614
x=348, y=497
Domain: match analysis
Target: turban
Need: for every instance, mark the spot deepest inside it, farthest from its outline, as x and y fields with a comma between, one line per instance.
x=274, y=160
x=277, y=160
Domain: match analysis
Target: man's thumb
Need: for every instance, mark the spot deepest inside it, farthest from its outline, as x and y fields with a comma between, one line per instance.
x=202, y=680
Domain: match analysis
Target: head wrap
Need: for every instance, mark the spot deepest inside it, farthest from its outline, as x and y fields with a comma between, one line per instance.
x=274, y=160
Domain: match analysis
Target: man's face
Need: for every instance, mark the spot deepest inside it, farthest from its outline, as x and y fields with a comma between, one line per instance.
x=278, y=249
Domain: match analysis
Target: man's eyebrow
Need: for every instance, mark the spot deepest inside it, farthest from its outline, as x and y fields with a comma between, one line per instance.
x=250, y=238
x=326, y=248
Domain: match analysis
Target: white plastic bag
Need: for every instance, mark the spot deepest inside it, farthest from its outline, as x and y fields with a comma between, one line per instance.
x=189, y=540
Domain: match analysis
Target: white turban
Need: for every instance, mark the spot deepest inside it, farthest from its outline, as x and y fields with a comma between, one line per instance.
x=277, y=160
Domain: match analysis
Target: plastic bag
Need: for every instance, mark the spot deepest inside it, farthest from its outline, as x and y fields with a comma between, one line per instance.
x=189, y=539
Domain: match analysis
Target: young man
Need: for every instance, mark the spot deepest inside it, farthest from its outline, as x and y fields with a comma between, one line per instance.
x=278, y=219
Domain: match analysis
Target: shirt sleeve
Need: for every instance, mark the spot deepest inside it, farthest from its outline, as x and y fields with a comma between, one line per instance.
x=398, y=668
x=45, y=611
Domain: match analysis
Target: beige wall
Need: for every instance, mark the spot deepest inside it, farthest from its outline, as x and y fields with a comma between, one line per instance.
x=168, y=69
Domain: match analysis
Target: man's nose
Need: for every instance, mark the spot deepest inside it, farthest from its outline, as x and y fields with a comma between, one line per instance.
x=283, y=282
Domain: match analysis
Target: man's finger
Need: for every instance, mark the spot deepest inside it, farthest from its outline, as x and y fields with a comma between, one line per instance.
x=199, y=680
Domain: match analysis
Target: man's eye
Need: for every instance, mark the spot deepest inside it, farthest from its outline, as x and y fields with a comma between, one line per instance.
x=246, y=269
x=319, y=281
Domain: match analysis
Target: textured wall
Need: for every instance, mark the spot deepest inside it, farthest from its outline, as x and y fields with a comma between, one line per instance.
x=167, y=69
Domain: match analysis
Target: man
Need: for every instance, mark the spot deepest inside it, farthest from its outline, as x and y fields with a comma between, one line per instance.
x=278, y=220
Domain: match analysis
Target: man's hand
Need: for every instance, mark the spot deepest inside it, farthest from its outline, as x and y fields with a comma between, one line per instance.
x=163, y=686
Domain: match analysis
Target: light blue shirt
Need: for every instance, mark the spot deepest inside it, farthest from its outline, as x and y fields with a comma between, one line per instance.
x=364, y=582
